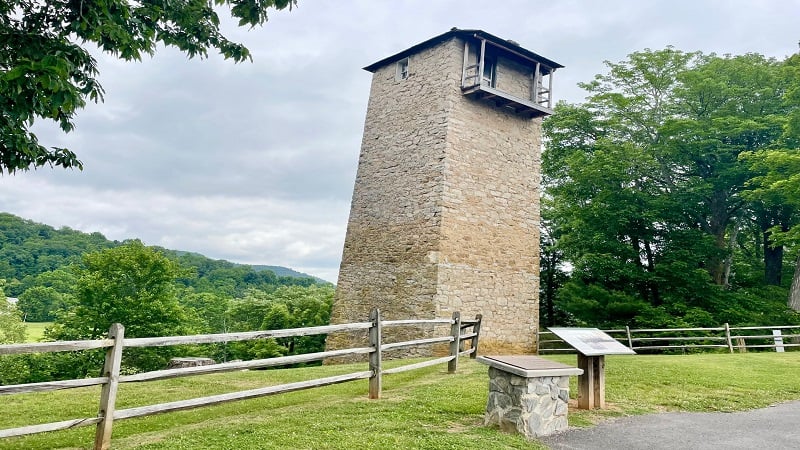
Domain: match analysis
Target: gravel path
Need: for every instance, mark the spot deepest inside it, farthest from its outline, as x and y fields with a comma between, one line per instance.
x=776, y=427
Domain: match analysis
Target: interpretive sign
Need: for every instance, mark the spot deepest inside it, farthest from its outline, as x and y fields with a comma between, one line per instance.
x=592, y=346
x=591, y=341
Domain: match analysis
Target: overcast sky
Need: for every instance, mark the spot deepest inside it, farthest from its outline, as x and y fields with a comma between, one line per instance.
x=255, y=162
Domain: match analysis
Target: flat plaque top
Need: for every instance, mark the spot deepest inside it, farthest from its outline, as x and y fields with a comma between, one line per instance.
x=529, y=366
x=591, y=341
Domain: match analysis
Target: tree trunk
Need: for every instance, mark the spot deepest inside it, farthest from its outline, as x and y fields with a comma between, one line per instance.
x=773, y=262
x=549, y=299
x=651, y=267
x=549, y=261
x=794, y=291
x=773, y=254
x=729, y=260
x=717, y=226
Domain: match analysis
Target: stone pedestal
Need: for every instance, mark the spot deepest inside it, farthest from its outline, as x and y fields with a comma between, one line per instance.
x=528, y=395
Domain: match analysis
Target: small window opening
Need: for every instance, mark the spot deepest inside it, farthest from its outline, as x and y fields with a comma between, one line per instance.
x=402, y=69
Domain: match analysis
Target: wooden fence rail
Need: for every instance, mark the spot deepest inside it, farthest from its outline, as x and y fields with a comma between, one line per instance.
x=117, y=342
x=666, y=339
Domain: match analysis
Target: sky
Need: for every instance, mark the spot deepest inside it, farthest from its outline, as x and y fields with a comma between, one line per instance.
x=255, y=162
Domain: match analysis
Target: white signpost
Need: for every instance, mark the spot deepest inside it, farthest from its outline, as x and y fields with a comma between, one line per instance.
x=778, y=340
x=592, y=346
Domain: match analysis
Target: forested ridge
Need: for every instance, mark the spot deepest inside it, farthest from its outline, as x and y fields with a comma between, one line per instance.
x=33, y=254
x=672, y=194
x=83, y=283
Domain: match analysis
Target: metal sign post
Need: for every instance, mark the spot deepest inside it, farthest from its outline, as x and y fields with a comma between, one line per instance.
x=592, y=346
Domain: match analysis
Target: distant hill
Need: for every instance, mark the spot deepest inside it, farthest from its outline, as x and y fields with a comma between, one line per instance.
x=279, y=271
x=29, y=249
x=286, y=272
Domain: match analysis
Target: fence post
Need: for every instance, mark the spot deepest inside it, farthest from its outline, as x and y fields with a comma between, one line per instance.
x=728, y=337
x=455, y=330
x=778, y=338
x=477, y=330
x=375, y=357
x=741, y=345
x=108, y=396
x=628, y=333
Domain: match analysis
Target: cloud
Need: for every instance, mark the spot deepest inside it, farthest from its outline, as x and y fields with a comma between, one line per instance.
x=306, y=235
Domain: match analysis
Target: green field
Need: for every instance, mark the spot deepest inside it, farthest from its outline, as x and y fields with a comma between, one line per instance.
x=34, y=331
x=420, y=409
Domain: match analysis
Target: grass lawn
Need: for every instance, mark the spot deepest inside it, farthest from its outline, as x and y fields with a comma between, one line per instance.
x=426, y=408
x=34, y=331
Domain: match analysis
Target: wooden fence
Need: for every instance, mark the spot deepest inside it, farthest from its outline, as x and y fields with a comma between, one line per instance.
x=461, y=333
x=724, y=338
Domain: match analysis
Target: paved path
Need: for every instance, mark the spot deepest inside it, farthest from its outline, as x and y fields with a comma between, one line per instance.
x=776, y=427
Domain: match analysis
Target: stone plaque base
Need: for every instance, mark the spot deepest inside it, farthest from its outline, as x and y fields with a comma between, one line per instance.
x=531, y=406
x=528, y=394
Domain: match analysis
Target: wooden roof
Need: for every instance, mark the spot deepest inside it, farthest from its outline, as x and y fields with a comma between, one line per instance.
x=509, y=46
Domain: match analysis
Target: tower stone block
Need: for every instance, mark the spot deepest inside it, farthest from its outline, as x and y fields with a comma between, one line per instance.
x=445, y=209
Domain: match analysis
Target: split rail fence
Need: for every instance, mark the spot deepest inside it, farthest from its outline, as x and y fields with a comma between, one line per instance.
x=462, y=332
x=725, y=338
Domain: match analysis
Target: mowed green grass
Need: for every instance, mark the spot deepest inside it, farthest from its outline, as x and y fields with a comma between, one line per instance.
x=34, y=331
x=426, y=408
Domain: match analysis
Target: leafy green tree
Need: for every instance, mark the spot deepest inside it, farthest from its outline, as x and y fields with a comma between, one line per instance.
x=602, y=171
x=41, y=303
x=12, y=329
x=13, y=369
x=780, y=184
x=645, y=186
x=61, y=280
x=209, y=310
x=300, y=307
x=776, y=183
x=285, y=307
x=552, y=273
x=133, y=285
x=46, y=71
x=728, y=105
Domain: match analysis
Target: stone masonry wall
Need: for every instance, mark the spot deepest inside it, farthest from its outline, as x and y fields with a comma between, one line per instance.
x=489, y=261
x=445, y=211
x=531, y=406
x=514, y=78
x=395, y=216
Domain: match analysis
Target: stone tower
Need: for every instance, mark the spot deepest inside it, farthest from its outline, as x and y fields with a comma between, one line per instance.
x=445, y=210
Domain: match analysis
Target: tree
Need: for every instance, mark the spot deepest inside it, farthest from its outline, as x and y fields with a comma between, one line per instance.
x=133, y=285
x=602, y=169
x=647, y=187
x=286, y=307
x=777, y=177
x=210, y=311
x=13, y=369
x=61, y=280
x=779, y=183
x=41, y=303
x=12, y=329
x=46, y=71
x=727, y=105
x=552, y=274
